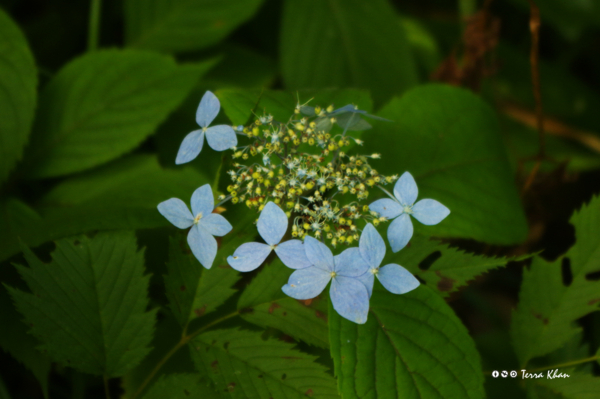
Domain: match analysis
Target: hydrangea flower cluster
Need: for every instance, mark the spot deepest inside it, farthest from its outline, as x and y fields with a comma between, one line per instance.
x=299, y=170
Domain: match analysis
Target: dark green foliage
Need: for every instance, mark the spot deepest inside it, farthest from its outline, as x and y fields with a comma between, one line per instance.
x=88, y=307
x=412, y=345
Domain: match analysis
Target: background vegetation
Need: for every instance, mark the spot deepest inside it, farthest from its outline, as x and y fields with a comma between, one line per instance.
x=495, y=114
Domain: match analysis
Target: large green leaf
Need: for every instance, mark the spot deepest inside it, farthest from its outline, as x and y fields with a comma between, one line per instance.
x=443, y=268
x=549, y=303
x=123, y=194
x=351, y=43
x=264, y=303
x=22, y=346
x=181, y=386
x=412, y=346
x=102, y=105
x=576, y=386
x=239, y=104
x=183, y=25
x=88, y=307
x=245, y=366
x=449, y=140
x=18, y=81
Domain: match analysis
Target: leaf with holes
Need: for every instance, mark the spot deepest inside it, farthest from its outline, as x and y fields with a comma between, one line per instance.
x=350, y=43
x=245, y=366
x=119, y=195
x=449, y=140
x=181, y=386
x=102, y=105
x=443, y=268
x=554, y=295
x=183, y=25
x=18, y=82
x=88, y=307
x=263, y=303
x=412, y=346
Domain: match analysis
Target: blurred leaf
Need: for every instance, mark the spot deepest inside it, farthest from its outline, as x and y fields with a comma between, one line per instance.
x=258, y=70
x=123, y=194
x=18, y=83
x=412, y=346
x=102, y=105
x=181, y=386
x=3, y=391
x=449, y=140
x=443, y=268
x=183, y=25
x=22, y=346
x=194, y=291
x=423, y=44
x=239, y=104
x=245, y=366
x=549, y=302
x=576, y=386
x=264, y=303
x=348, y=43
x=88, y=307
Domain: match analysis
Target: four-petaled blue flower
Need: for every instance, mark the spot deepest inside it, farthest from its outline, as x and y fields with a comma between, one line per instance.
x=349, y=296
x=272, y=225
x=220, y=137
x=426, y=211
x=393, y=277
x=205, y=224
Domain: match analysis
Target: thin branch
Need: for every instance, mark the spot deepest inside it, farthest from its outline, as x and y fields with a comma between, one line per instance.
x=534, y=26
x=94, y=25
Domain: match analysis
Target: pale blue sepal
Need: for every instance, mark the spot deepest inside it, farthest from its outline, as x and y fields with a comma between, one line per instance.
x=397, y=279
x=372, y=246
x=318, y=254
x=368, y=279
x=249, y=256
x=350, y=264
x=306, y=283
x=350, y=299
x=176, y=212
x=292, y=254
x=430, y=212
x=203, y=201
x=221, y=137
x=400, y=232
x=190, y=147
x=406, y=190
x=215, y=224
x=208, y=109
x=272, y=223
x=203, y=245
x=386, y=207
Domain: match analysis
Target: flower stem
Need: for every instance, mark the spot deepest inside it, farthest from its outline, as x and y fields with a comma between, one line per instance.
x=94, y=25
x=182, y=342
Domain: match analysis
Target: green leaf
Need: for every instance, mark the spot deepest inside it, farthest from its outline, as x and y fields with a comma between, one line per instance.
x=412, y=346
x=192, y=290
x=259, y=71
x=18, y=82
x=548, y=306
x=449, y=140
x=102, y=105
x=263, y=303
x=181, y=386
x=576, y=386
x=352, y=43
x=123, y=194
x=239, y=104
x=183, y=25
x=88, y=307
x=443, y=268
x=245, y=366
x=22, y=346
